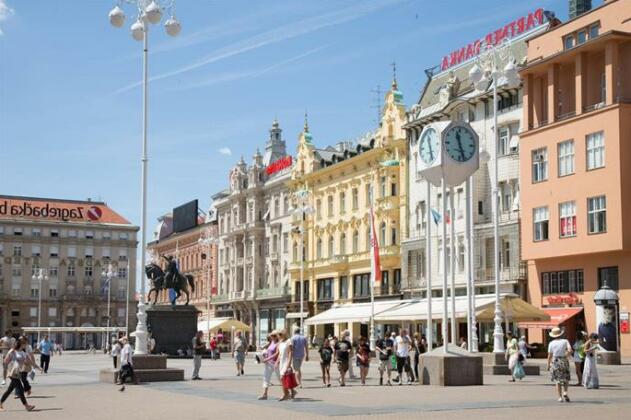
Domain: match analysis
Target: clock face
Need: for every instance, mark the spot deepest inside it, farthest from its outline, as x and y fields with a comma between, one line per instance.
x=429, y=146
x=460, y=144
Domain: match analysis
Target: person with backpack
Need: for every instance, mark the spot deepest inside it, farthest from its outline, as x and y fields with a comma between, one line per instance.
x=343, y=349
x=326, y=355
x=383, y=348
x=239, y=350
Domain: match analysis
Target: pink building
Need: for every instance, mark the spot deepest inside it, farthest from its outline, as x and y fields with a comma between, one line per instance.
x=575, y=167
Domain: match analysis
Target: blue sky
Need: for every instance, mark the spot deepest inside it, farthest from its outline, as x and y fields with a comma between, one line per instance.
x=70, y=104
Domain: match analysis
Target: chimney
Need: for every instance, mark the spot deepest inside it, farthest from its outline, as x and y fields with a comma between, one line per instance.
x=578, y=7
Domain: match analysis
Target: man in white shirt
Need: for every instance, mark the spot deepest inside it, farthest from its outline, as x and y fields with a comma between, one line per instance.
x=403, y=345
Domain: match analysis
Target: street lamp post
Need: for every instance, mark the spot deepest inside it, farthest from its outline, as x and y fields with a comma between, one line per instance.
x=208, y=241
x=487, y=69
x=40, y=276
x=303, y=210
x=149, y=12
x=108, y=275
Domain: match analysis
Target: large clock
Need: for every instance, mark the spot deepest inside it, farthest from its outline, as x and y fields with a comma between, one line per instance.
x=429, y=147
x=460, y=143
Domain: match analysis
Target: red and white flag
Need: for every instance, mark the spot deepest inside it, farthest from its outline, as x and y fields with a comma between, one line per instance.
x=375, y=266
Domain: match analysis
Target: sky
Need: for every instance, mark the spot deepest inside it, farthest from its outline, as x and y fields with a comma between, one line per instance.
x=71, y=104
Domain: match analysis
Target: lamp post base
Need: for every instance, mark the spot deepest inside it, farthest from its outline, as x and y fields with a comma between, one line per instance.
x=141, y=329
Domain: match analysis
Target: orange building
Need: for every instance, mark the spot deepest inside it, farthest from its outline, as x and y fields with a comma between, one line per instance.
x=575, y=167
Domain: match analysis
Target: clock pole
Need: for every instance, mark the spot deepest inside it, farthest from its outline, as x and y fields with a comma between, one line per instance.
x=444, y=256
x=452, y=267
x=428, y=267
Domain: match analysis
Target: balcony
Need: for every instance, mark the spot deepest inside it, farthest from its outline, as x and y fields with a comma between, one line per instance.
x=360, y=256
x=338, y=261
x=508, y=167
x=273, y=256
x=237, y=295
x=388, y=203
x=220, y=298
x=390, y=251
x=272, y=293
x=506, y=273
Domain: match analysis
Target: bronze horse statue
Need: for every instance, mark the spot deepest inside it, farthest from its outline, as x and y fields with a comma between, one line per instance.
x=157, y=277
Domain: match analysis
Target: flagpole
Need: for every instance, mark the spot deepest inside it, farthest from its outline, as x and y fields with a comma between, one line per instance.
x=428, y=268
x=372, y=276
x=444, y=256
x=452, y=265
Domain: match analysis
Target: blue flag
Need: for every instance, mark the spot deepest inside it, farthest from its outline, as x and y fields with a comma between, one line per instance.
x=436, y=216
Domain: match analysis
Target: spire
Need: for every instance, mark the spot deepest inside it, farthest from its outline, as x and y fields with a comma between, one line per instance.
x=306, y=127
x=394, y=76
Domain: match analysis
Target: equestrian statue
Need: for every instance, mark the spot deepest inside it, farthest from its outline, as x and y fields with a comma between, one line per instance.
x=172, y=279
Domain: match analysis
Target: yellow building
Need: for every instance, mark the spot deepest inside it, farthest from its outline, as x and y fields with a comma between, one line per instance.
x=342, y=181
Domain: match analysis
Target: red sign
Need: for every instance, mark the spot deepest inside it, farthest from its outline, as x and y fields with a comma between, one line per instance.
x=571, y=299
x=279, y=165
x=516, y=27
x=624, y=322
x=94, y=213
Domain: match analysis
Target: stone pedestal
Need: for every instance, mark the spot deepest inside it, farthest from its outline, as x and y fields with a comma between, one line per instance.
x=458, y=367
x=147, y=368
x=496, y=364
x=173, y=327
x=608, y=358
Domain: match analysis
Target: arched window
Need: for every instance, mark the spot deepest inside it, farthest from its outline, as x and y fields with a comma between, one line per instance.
x=382, y=234
x=342, y=202
x=393, y=236
x=319, y=248
x=330, y=206
x=343, y=244
x=331, y=246
x=355, y=241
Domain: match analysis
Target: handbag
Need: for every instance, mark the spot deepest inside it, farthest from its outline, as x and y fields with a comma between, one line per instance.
x=289, y=379
x=13, y=369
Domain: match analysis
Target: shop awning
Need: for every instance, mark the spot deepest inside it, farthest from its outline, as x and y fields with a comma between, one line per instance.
x=225, y=324
x=351, y=312
x=512, y=306
x=557, y=317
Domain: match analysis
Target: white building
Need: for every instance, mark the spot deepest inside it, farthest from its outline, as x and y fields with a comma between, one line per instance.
x=253, y=217
x=449, y=96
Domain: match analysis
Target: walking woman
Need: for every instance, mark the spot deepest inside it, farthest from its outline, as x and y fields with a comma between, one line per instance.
x=559, y=350
x=326, y=356
x=514, y=358
x=590, y=374
x=270, y=357
x=419, y=348
x=29, y=365
x=363, y=359
x=15, y=361
x=579, y=356
x=284, y=365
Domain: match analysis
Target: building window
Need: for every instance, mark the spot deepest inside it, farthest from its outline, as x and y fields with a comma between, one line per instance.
x=331, y=246
x=52, y=292
x=368, y=195
x=567, y=219
x=89, y=234
x=343, y=244
x=319, y=248
x=593, y=31
x=53, y=271
x=305, y=290
x=603, y=88
x=36, y=232
x=540, y=164
x=540, y=219
x=382, y=184
x=597, y=214
x=385, y=282
x=397, y=280
x=54, y=233
x=17, y=231
x=581, y=36
x=566, y=157
x=355, y=198
x=122, y=273
x=568, y=281
x=330, y=206
x=17, y=250
x=503, y=141
x=568, y=42
x=505, y=256
x=355, y=241
x=88, y=268
x=382, y=234
x=34, y=292
x=285, y=243
x=393, y=189
x=71, y=270
x=393, y=236
x=325, y=289
x=361, y=285
x=16, y=271
x=318, y=209
x=610, y=275
x=595, y=150
x=343, y=287
x=342, y=202
x=53, y=251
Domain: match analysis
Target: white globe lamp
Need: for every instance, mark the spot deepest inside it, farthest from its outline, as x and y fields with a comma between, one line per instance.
x=138, y=30
x=172, y=26
x=117, y=17
x=153, y=13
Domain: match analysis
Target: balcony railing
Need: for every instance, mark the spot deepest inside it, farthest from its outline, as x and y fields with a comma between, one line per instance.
x=593, y=107
x=566, y=116
x=506, y=273
x=273, y=292
x=237, y=295
x=220, y=298
x=338, y=260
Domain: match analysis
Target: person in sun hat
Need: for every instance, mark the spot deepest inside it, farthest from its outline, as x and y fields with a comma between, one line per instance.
x=559, y=351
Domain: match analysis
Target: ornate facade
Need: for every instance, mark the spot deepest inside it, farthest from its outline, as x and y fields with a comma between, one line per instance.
x=342, y=182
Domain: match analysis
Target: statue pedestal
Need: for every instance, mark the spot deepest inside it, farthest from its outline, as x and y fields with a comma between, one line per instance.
x=608, y=358
x=173, y=327
x=458, y=367
x=147, y=368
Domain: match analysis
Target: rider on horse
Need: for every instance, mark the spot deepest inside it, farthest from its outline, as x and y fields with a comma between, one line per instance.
x=172, y=272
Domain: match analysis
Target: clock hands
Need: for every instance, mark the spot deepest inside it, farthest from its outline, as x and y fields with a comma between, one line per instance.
x=460, y=148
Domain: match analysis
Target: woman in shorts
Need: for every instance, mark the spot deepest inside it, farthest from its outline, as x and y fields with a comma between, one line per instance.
x=326, y=355
x=363, y=359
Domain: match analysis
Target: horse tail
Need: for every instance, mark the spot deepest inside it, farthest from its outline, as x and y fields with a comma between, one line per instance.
x=191, y=282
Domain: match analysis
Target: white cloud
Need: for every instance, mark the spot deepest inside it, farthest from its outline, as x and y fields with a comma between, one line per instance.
x=282, y=33
x=225, y=151
x=5, y=13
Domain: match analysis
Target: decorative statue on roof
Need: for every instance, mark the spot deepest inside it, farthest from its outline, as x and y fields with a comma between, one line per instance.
x=449, y=90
